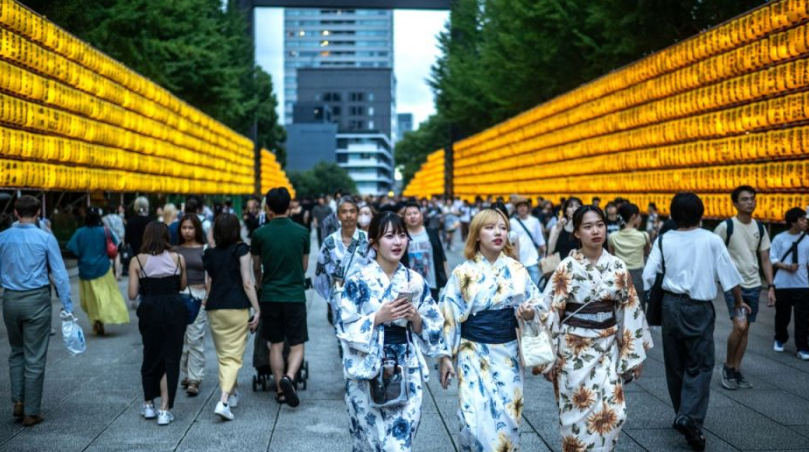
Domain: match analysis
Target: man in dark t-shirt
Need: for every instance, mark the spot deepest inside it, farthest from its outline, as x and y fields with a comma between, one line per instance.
x=280, y=259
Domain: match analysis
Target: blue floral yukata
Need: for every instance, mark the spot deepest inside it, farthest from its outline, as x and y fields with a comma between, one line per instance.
x=338, y=262
x=384, y=429
x=490, y=375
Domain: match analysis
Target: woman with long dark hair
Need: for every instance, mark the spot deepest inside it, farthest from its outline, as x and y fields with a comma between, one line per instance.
x=595, y=318
x=387, y=322
x=98, y=289
x=191, y=246
x=481, y=303
x=158, y=275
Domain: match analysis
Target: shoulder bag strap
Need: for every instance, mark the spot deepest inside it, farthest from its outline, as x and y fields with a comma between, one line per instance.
x=598, y=288
x=140, y=264
x=728, y=230
x=662, y=258
x=793, y=247
x=527, y=232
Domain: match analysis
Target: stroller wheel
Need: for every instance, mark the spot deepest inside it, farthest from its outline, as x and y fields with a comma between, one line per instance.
x=255, y=383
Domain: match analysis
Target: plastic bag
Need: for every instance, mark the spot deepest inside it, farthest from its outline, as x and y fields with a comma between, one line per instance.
x=72, y=334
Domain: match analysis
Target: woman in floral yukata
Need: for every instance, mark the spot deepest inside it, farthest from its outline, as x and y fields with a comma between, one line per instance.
x=592, y=309
x=480, y=304
x=386, y=312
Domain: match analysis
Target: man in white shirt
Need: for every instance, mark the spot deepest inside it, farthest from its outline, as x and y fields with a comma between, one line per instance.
x=694, y=259
x=789, y=255
x=529, y=233
x=747, y=242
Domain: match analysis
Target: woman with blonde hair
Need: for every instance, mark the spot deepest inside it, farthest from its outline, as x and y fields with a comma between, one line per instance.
x=481, y=303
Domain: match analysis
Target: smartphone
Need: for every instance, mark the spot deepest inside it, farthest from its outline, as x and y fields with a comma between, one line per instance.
x=407, y=295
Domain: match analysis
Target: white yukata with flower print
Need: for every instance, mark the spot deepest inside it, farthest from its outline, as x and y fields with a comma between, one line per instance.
x=588, y=385
x=490, y=376
x=384, y=429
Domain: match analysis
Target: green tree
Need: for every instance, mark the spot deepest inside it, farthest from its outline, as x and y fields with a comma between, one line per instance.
x=322, y=178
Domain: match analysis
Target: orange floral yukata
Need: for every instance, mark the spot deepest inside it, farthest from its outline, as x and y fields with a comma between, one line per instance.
x=590, y=361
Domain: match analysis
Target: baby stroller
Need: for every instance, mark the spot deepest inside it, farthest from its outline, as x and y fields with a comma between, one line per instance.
x=261, y=361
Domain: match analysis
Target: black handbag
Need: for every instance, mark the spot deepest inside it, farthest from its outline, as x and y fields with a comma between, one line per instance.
x=654, y=300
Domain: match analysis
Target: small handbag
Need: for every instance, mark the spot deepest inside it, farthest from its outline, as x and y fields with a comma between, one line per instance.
x=536, y=345
x=112, y=248
x=390, y=387
x=549, y=263
x=654, y=301
x=193, y=305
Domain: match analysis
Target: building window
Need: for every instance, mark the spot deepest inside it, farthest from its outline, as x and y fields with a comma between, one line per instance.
x=370, y=97
x=332, y=97
x=356, y=111
x=356, y=125
x=370, y=111
x=356, y=97
x=370, y=125
x=336, y=111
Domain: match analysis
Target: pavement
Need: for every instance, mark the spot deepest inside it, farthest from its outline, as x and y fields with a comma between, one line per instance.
x=92, y=401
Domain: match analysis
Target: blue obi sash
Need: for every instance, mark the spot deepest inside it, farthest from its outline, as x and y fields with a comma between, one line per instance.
x=497, y=326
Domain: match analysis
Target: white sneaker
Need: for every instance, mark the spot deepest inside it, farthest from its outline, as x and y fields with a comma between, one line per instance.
x=223, y=411
x=778, y=346
x=233, y=399
x=164, y=417
x=148, y=411
x=804, y=356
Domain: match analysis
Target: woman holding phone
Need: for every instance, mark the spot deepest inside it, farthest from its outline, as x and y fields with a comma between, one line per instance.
x=387, y=322
x=481, y=303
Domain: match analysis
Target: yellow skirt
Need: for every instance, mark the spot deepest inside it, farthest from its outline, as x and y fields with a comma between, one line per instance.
x=102, y=300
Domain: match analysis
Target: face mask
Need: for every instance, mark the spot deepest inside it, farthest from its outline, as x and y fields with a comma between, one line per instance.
x=364, y=220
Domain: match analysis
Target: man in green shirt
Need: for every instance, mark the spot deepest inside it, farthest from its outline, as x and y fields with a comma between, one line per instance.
x=280, y=251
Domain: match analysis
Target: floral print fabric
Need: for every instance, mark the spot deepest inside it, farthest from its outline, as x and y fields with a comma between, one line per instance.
x=588, y=385
x=384, y=429
x=490, y=376
x=333, y=263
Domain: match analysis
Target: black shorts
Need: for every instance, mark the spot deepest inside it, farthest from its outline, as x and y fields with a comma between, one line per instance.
x=284, y=321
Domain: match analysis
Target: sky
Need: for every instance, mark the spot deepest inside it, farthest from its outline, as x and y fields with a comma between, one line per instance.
x=415, y=49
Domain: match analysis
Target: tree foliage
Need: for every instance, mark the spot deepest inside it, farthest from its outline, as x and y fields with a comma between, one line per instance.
x=322, y=178
x=502, y=57
x=197, y=49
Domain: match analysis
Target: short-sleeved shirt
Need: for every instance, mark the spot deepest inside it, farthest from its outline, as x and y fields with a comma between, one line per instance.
x=530, y=236
x=742, y=249
x=281, y=244
x=227, y=286
x=783, y=243
x=421, y=257
x=630, y=245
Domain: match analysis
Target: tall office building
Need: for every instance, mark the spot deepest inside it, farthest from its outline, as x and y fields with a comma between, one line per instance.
x=333, y=38
x=362, y=104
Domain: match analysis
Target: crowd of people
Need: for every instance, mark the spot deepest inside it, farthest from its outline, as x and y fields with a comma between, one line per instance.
x=580, y=273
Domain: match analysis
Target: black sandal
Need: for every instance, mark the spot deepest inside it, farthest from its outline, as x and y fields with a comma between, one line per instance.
x=291, y=396
x=279, y=397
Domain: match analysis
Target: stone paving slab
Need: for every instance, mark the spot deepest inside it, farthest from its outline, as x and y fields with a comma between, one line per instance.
x=92, y=402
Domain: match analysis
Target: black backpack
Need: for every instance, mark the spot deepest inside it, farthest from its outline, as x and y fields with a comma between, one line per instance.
x=729, y=224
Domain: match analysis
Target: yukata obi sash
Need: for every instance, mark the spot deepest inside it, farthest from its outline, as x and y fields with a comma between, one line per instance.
x=494, y=326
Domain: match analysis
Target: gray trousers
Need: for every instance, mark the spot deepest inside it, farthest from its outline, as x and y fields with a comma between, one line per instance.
x=27, y=315
x=688, y=349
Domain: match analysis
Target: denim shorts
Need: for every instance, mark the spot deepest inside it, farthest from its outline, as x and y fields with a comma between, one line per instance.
x=749, y=296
